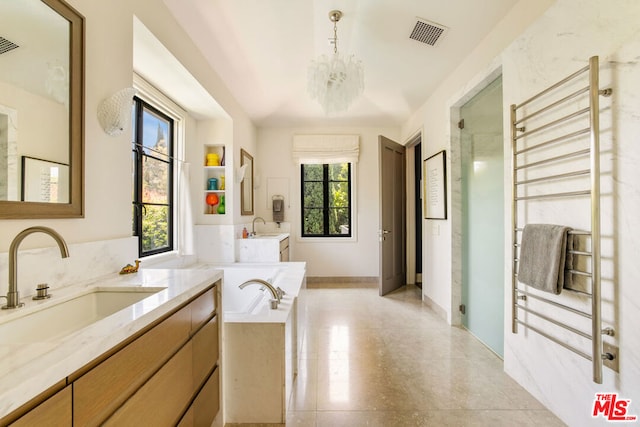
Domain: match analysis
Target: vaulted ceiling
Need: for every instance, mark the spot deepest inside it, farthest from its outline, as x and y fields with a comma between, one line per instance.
x=262, y=50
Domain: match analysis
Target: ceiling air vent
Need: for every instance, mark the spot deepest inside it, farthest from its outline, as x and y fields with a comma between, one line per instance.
x=6, y=45
x=427, y=32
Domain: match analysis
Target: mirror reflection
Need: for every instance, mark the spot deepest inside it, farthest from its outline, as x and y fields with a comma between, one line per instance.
x=34, y=103
x=246, y=187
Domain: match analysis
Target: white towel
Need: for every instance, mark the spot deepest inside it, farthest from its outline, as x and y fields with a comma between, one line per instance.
x=542, y=257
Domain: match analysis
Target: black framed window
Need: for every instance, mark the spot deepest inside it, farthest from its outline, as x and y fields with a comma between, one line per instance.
x=326, y=200
x=152, y=176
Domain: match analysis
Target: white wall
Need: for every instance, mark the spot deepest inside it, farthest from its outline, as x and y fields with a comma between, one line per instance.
x=538, y=44
x=109, y=68
x=326, y=258
x=436, y=120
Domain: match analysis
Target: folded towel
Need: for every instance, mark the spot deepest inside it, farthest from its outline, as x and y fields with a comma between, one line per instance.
x=543, y=251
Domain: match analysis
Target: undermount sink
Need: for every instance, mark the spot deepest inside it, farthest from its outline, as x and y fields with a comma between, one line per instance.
x=57, y=319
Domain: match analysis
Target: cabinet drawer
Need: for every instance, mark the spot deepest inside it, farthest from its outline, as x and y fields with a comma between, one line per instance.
x=53, y=412
x=205, y=350
x=162, y=400
x=104, y=388
x=202, y=308
x=284, y=243
x=206, y=405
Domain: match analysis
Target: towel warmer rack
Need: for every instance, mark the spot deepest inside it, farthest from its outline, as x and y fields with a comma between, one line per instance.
x=535, y=129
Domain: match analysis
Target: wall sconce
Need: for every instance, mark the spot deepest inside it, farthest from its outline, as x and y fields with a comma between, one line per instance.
x=114, y=113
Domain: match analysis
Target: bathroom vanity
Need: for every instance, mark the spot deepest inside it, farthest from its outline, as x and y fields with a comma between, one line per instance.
x=272, y=247
x=119, y=370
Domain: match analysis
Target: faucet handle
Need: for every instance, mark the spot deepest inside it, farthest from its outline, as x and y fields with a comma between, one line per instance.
x=280, y=292
x=41, y=292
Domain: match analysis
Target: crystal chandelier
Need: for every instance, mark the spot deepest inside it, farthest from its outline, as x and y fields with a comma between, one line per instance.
x=335, y=81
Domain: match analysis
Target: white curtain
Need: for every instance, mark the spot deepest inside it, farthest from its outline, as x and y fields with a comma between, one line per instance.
x=185, y=212
x=319, y=149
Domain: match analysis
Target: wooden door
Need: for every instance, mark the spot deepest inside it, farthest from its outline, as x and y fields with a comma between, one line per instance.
x=392, y=216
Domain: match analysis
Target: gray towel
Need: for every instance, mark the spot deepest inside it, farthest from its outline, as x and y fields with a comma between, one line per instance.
x=278, y=210
x=542, y=257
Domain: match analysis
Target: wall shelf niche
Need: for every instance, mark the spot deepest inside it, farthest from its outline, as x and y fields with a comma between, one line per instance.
x=214, y=185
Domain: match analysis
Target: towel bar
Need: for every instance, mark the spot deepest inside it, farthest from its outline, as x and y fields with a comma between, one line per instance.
x=527, y=136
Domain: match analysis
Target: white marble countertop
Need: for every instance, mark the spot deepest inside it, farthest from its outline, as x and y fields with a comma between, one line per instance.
x=27, y=369
x=277, y=236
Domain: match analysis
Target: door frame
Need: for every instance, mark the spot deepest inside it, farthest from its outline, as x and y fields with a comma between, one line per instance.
x=411, y=263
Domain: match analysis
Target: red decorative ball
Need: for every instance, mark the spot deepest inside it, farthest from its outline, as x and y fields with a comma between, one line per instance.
x=212, y=199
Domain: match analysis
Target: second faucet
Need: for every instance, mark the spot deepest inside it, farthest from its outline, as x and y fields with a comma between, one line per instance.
x=253, y=224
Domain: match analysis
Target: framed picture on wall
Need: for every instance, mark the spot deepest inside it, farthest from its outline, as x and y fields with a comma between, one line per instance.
x=434, y=178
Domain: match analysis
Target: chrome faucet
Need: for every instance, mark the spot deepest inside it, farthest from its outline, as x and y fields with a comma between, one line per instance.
x=276, y=293
x=13, y=298
x=253, y=224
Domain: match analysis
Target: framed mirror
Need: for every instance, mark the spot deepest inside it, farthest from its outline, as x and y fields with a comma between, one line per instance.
x=41, y=110
x=246, y=186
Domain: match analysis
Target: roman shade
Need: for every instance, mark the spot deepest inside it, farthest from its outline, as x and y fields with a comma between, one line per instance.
x=321, y=149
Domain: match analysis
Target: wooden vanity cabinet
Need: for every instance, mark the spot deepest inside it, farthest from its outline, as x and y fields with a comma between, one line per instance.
x=53, y=412
x=165, y=375
x=284, y=250
x=99, y=392
x=168, y=394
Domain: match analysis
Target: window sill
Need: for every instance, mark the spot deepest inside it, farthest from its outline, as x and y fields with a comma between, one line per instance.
x=301, y=239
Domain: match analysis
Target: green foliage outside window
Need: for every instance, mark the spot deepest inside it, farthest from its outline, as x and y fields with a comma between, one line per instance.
x=152, y=180
x=326, y=196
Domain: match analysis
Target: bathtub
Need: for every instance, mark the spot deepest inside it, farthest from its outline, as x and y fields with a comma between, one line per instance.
x=252, y=301
x=260, y=345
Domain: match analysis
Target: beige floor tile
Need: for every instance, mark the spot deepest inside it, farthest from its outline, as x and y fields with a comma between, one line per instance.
x=301, y=419
x=391, y=361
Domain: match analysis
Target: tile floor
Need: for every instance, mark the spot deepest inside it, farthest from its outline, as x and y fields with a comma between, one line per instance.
x=391, y=361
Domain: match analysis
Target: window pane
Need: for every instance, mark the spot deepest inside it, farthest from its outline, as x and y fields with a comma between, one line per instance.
x=313, y=195
x=152, y=170
x=338, y=194
x=339, y=172
x=133, y=175
x=155, y=134
x=339, y=221
x=326, y=209
x=155, y=181
x=313, y=221
x=155, y=227
x=312, y=172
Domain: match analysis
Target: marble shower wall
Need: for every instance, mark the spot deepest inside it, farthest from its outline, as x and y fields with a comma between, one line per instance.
x=556, y=45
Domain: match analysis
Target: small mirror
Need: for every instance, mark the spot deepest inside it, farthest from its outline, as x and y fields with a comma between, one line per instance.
x=246, y=186
x=41, y=109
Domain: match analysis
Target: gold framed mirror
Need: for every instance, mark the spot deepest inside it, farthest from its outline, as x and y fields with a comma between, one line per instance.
x=41, y=110
x=246, y=186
